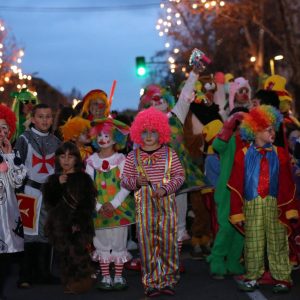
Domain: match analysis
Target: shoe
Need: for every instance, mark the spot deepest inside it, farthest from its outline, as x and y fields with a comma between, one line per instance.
x=23, y=285
x=168, y=290
x=105, y=283
x=134, y=264
x=248, y=285
x=217, y=276
x=152, y=292
x=119, y=283
x=197, y=253
x=281, y=288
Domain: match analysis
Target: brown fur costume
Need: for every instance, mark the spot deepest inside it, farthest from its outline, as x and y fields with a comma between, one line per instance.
x=70, y=227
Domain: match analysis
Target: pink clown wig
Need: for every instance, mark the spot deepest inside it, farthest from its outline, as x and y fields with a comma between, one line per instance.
x=258, y=119
x=150, y=119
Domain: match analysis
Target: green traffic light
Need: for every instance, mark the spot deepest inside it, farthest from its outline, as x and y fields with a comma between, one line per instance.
x=140, y=63
x=141, y=71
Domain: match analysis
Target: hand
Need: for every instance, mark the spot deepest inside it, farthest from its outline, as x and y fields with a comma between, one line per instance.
x=141, y=180
x=6, y=146
x=63, y=178
x=107, y=210
x=159, y=193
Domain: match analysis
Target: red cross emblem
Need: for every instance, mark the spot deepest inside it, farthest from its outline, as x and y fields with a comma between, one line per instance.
x=37, y=160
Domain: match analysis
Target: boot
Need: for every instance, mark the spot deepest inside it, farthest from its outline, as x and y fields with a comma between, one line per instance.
x=44, y=261
x=27, y=262
x=4, y=268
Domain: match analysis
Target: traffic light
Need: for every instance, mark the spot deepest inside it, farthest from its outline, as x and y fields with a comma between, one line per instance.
x=140, y=63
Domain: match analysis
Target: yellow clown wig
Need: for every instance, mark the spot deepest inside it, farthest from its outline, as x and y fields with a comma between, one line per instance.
x=74, y=127
x=92, y=96
x=150, y=119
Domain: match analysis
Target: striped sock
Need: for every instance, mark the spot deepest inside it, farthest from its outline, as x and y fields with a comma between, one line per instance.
x=118, y=270
x=179, y=246
x=104, y=269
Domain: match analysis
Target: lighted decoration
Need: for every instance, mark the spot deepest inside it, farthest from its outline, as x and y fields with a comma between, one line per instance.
x=172, y=18
x=10, y=59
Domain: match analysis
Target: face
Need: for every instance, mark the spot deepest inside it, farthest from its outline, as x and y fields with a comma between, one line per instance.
x=84, y=137
x=255, y=102
x=159, y=103
x=97, y=108
x=294, y=135
x=28, y=106
x=242, y=95
x=150, y=139
x=105, y=140
x=266, y=136
x=67, y=162
x=4, y=130
x=42, y=119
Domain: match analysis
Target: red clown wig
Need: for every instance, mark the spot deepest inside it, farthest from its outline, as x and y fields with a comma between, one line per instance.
x=10, y=118
x=153, y=120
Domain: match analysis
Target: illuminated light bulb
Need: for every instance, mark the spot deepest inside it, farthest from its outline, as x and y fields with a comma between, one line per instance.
x=19, y=86
x=162, y=5
x=169, y=10
x=21, y=53
x=177, y=15
x=213, y=3
x=194, y=6
x=24, y=86
x=1, y=89
x=1, y=46
x=172, y=71
x=169, y=24
x=161, y=33
x=252, y=58
x=160, y=21
x=278, y=57
x=178, y=22
x=2, y=28
x=167, y=45
x=165, y=23
x=157, y=27
x=222, y=3
x=6, y=79
x=19, y=60
x=1, y=61
x=171, y=60
x=186, y=74
x=29, y=77
x=203, y=1
x=25, y=76
x=183, y=69
x=206, y=5
x=172, y=66
x=35, y=93
x=176, y=50
x=142, y=92
x=169, y=18
x=166, y=30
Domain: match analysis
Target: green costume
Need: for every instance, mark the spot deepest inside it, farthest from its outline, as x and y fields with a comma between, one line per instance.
x=228, y=245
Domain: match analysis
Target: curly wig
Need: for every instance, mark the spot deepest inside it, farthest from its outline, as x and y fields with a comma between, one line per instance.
x=150, y=119
x=156, y=92
x=117, y=129
x=92, y=96
x=74, y=127
x=258, y=119
x=10, y=118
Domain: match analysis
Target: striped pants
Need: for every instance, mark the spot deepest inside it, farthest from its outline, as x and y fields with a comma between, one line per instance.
x=157, y=234
x=263, y=229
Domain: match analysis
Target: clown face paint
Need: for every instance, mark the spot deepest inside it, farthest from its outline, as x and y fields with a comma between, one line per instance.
x=150, y=139
x=105, y=140
x=242, y=95
x=159, y=103
x=4, y=130
x=97, y=108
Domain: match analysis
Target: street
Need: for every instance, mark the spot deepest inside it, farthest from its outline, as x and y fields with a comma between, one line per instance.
x=195, y=283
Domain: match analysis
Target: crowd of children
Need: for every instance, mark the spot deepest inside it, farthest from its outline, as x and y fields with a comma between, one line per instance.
x=75, y=196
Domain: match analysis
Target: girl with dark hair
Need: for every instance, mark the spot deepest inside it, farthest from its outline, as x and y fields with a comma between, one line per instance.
x=69, y=196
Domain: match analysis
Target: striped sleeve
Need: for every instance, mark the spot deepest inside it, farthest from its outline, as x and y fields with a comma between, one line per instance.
x=129, y=175
x=177, y=175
